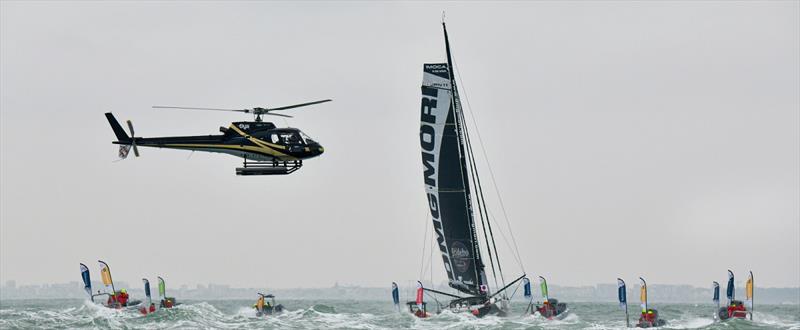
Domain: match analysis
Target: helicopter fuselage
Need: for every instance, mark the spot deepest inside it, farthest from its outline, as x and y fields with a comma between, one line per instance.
x=257, y=141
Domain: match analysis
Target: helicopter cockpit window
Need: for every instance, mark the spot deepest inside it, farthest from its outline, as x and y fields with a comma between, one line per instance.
x=307, y=138
x=286, y=138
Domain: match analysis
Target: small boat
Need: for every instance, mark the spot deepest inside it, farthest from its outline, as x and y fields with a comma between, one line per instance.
x=149, y=307
x=649, y=317
x=166, y=302
x=418, y=310
x=550, y=309
x=116, y=299
x=264, y=308
x=418, y=307
x=736, y=308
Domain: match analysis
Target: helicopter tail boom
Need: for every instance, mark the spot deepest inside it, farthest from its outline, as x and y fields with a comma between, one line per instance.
x=118, y=130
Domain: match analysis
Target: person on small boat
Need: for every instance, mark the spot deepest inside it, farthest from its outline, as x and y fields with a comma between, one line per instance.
x=167, y=302
x=418, y=310
x=122, y=298
x=112, y=300
x=264, y=307
x=648, y=318
x=551, y=308
x=118, y=299
x=736, y=309
x=151, y=309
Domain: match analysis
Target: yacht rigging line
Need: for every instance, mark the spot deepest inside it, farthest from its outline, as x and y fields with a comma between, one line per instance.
x=481, y=203
x=491, y=172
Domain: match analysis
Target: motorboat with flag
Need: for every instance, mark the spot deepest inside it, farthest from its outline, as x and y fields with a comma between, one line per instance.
x=116, y=299
x=649, y=317
x=149, y=306
x=166, y=302
x=264, y=307
x=735, y=309
x=418, y=307
x=550, y=309
x=454, y=193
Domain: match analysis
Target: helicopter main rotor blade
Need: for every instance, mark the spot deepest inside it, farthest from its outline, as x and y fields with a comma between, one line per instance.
x=189, y=108
x=277, y=114
x=299, y=105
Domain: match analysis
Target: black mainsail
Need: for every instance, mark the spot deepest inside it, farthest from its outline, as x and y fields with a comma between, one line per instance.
x=446, y=178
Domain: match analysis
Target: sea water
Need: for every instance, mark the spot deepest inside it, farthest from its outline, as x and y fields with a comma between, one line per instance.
x=348, y=314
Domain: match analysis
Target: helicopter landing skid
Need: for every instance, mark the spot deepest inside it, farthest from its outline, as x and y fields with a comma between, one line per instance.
x=269, y=168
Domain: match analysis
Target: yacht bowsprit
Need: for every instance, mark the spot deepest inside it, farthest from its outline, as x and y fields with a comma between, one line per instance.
x=450, y=176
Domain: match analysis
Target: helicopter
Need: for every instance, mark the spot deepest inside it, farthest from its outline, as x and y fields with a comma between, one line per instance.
x=266, y=148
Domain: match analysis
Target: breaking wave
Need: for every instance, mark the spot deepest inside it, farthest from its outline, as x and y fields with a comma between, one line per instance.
x=238, y=314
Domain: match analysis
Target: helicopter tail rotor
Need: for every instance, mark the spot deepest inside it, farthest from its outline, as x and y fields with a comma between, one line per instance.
x=125, y=141
x=133, y=139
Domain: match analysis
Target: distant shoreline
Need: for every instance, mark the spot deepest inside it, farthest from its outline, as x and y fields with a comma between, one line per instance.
x=599, y=293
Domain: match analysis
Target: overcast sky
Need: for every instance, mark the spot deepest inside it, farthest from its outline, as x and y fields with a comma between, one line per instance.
x=655, y=139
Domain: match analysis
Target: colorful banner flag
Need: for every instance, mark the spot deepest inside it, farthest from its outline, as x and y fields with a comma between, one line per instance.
x=105, y=274
x=731, y=291
x=543, y=285
x=622, y=294
x=146, y=287
x=87, y=281
x=716, y=292
x=420, y=294
x=147, y=291
x=643, y=295
x=395, y=294
x=527, y=288
x=162, y=288
x=749, y=287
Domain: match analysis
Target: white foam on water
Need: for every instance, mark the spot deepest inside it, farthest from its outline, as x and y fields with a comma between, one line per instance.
x=352, y=315
x=774, y=321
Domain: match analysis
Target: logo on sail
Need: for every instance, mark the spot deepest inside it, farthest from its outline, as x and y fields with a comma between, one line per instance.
x=460, y=256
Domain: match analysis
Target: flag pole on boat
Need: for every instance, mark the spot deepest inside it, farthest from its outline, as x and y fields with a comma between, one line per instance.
x=87, y=281
x=543, y=284
x=162, y=289
x=147, y=291
x=749, y=294
x=643, y=295
x=105, y=273
x=716, y=300
x=420, y=295
x=622, y=293
x=396, y=296
x=526, y=289
x=730, y=290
